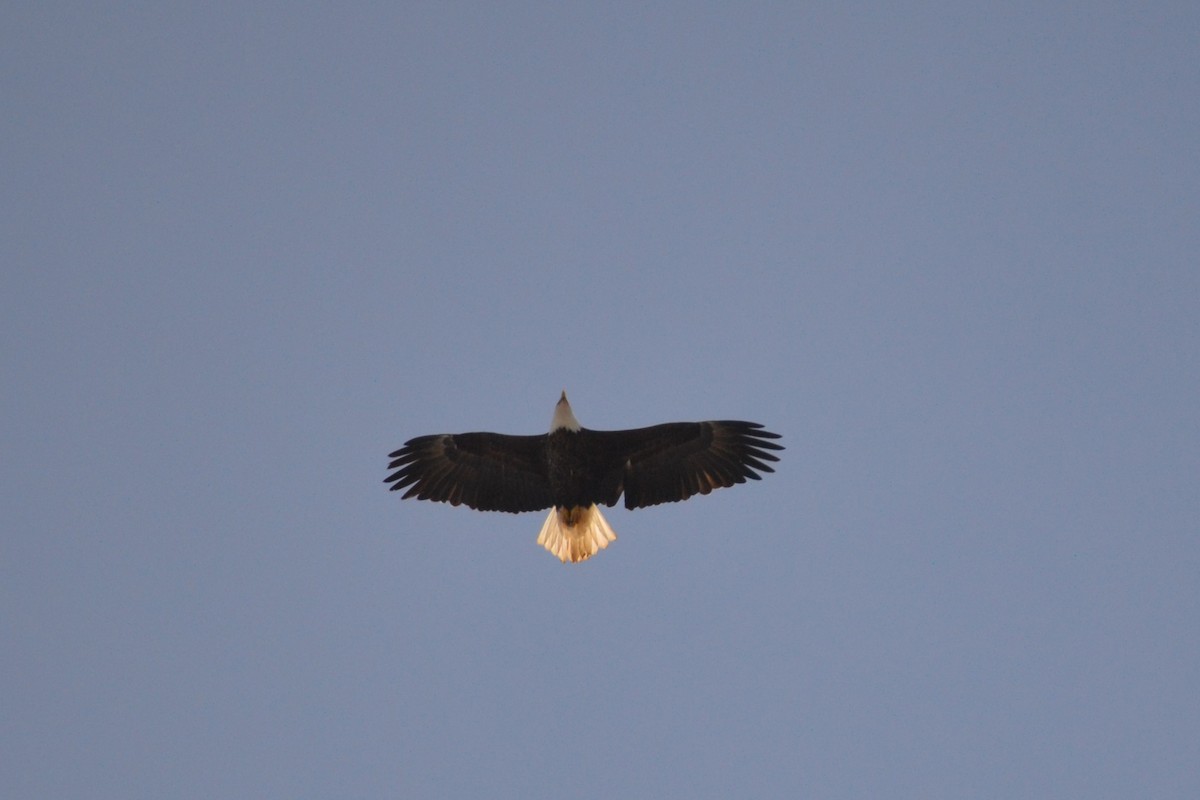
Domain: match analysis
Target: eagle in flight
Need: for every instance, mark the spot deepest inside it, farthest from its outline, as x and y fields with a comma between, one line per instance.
x=572, y=470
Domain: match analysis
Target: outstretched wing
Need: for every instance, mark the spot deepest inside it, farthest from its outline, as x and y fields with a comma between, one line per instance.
x=672, y=462
x=485, y=471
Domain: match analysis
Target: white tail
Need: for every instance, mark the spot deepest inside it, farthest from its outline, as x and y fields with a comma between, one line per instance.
x=575, y=534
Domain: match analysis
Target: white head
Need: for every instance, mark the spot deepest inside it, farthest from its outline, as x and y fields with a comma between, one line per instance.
x=563, y=418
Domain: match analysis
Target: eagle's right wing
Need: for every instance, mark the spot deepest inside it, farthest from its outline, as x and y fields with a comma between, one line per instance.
x=485, y=471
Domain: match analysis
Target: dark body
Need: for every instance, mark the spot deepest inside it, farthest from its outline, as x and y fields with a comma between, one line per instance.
x=570, y=465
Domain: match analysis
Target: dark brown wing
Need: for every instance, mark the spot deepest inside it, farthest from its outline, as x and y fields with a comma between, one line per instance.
x=485, y=471
x=672, y=462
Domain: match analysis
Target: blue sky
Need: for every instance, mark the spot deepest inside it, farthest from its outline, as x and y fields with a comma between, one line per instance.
x=948, y=252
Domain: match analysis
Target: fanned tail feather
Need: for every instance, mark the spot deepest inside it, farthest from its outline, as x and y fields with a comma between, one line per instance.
x=575, y=534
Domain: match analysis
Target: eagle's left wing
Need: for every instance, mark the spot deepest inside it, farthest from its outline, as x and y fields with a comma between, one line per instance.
x=672, y=462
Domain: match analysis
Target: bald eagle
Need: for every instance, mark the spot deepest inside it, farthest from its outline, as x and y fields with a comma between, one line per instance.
x=571, y=470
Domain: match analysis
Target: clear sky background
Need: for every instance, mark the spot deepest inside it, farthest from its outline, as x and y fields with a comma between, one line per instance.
x=947, y=250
